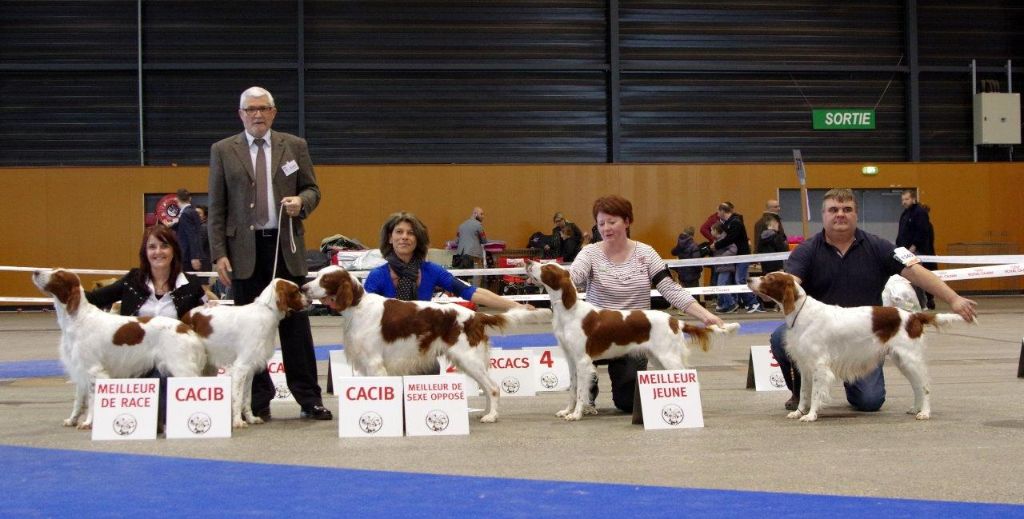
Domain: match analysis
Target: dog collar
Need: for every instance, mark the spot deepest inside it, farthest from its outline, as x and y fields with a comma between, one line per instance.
x=797, y=314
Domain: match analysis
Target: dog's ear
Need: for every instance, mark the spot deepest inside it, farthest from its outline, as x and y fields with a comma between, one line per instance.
x=789, y=297
x=348, y=294
x=67, y=288
x=568, y=289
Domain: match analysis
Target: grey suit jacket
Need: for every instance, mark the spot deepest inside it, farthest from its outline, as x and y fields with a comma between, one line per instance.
x=232, y=192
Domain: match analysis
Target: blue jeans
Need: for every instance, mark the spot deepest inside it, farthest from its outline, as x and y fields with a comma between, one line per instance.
x=724, y=300
x=864, y=394
x=747, y=299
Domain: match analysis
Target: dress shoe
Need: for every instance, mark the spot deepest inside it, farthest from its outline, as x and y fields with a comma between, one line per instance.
x=793, y=402
x=263, y=414
x=316, y=412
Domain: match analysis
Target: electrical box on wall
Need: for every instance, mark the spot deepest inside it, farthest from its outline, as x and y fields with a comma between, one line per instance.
x=996, y=118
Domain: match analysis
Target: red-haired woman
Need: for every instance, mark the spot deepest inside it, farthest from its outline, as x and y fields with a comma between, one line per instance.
x=617, y=273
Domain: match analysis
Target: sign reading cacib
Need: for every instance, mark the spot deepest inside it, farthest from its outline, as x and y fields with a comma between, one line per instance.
x=843, y=118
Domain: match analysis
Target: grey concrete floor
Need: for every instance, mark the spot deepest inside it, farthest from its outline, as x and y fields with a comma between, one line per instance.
x=971, y=450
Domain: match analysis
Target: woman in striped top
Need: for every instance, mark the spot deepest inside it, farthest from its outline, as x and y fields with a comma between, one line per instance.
x=617, y=274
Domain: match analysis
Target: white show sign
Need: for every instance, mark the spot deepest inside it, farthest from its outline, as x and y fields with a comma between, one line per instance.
x=513, y=372
x=552, y=370
x=198, y=407
x=436, y=405
x=125, y=409
x=764, y=370
x=369, y=406
x=670, y=399
x=276, y=368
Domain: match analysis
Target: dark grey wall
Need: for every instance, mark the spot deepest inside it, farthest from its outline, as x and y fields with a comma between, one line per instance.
x=500, y=81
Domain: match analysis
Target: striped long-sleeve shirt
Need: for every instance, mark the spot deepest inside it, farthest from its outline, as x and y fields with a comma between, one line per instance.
x=625, y=286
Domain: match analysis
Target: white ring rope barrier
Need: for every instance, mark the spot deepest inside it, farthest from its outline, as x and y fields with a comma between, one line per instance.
x=996, y=267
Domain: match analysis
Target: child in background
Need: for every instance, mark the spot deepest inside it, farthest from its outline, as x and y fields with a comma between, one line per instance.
x=724, y=274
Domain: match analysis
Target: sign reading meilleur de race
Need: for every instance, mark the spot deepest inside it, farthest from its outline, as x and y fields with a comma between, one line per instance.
x=843, y=118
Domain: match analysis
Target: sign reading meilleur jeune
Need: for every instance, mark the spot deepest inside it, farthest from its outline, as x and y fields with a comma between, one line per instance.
x=843, y=118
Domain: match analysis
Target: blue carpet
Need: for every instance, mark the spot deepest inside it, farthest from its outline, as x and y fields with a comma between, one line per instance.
x=50, y=482
x=52, y=368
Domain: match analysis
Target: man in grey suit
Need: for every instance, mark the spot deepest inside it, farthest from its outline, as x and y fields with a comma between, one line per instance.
x=253, y=175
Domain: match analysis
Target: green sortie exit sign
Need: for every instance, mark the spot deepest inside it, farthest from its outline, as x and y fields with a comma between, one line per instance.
x=843, y=118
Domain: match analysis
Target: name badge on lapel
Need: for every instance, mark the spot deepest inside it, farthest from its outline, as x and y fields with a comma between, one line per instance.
x=290, y=167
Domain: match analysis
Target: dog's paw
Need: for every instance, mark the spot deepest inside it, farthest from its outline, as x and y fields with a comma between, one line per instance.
x=255, y=420
x=563, y=412
x=809, y=417
x=725, y=328
x=573, y=417
x=489, y=418
x=923, y=415
x=85, y=426
x=589, y=409
x=795, y=414
x=68, y=422
x=239, y=424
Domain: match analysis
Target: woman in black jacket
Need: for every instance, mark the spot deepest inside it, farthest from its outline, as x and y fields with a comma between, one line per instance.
x=156, y=287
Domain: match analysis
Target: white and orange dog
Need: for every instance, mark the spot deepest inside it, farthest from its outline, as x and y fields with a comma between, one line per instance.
x=385, y=336
x=587, y=333
x=96, y=344
x=827, y=341
x=241, y=339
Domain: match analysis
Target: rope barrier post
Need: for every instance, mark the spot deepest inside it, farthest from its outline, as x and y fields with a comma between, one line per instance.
x=1020, y=365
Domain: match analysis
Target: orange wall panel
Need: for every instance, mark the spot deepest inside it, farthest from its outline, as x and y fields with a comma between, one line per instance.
x=93, y=217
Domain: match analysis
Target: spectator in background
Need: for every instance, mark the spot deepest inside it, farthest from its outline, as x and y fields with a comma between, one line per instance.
x=771, y=212
x=566, y=240
x=770, y=239
x=736, y=234
x=189, y=232
x=725, y=274
x=469, y=252
x=686, y=248
x=204, y=239
x=918, y=236
x=705, y=229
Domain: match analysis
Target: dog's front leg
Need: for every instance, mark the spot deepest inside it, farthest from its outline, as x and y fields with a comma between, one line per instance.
x=821, y=381
x=573, y=384
x=80, y=403
x=241, y=412
x=94, y=375
x=805, y=394
x=584, y=373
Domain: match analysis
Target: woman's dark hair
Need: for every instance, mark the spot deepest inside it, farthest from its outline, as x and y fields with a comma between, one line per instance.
x=614, y=205
x=163, y=235
x=418, y=230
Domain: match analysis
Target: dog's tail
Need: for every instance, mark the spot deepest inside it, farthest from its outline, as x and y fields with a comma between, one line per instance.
x=516, y=316
x=917, y=321
x=703, y=335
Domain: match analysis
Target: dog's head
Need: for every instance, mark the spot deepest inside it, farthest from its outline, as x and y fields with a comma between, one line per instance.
x=899, y=293
x=289, y=296
x=554, y=278
x=779, y=287
x=335, y=287
x=64, y=286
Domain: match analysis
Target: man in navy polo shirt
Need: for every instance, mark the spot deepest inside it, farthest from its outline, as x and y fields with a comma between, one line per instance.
x=845, y=266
